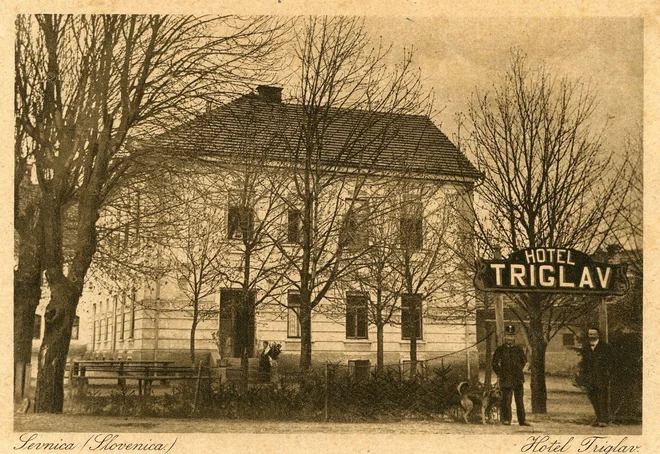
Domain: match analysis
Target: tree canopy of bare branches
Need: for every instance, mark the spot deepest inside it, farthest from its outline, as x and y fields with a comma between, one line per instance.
x=85, y=85
x=339, y=71
x=547, y=183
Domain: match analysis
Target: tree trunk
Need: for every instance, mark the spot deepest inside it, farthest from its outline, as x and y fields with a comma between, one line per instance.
x=379, y=349
x=305, y=339
x=59, y=317
x=489, y=359
x=413, y=342
x=27, y=291
x=27, y=294
x=193, y=329
x=538, y=344
x=245, y=370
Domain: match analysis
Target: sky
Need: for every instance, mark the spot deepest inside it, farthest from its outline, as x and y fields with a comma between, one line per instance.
x=458, y=55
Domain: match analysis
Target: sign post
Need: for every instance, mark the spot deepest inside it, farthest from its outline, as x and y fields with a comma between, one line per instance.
x=550, y=270
x=499, y=306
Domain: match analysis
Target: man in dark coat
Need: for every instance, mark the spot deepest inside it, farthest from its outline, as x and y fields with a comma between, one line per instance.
x=596, y=366
x=508, y=362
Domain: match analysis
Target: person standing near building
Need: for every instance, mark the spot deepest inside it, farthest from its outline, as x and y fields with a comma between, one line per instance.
x=596, y=366
x=264, y=363
x=508, y=362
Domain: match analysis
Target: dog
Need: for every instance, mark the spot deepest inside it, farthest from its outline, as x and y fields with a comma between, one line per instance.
x=490, y=404
x=466, y=403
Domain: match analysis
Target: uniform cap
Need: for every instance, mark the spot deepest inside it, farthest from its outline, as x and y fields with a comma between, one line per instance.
x=510, y=329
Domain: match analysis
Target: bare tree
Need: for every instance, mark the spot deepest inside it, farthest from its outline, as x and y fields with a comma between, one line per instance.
x=625, y=239
x=434, y=282
x=191, y=244
x=547, y=183
x=410, y=271
x=27, y=222
x=255, y=214
x=234, y=148
x=374, y=278
x=350, y=107
x=101, y=79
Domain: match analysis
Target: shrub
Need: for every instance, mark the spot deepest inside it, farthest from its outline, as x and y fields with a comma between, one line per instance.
x=384, y=396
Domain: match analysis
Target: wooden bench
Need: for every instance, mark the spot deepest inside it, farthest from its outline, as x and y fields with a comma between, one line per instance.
x=144, y=372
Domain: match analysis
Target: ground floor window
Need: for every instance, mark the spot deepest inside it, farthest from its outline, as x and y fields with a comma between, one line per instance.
x=411, y=316
x=131, y=328
x=293, y=315
x=568, y=339
x=356, y=317
x=75, y=329
x=359, y=369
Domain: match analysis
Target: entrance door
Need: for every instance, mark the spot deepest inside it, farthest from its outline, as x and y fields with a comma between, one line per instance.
x=236, y=323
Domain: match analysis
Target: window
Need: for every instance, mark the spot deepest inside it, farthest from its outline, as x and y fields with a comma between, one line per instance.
x=355, y=224
x=123, y=317
x=131, y=331
x=240, y=219
x=107, y=329
x=36, y=329
x=568, y=339
x=356, y=317
x=410, y=226
x=294, y=226
x=293, y=315
x=411, y=316
x=115, y=317
x=94, y=330
x=75, y=329
x=359, y=369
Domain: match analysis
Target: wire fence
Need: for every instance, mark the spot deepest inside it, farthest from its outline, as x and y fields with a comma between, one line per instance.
x=329, y=390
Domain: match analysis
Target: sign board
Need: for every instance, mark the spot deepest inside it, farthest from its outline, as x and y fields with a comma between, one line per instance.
x=551, y=270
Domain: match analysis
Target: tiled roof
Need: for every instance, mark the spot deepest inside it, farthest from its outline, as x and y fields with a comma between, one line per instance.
x=251, y=126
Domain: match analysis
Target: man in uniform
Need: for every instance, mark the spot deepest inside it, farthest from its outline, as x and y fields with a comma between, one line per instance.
x=508, y=362
x=597, y=360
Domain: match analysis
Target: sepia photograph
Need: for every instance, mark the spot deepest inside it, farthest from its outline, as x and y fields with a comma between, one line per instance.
x=328, y=224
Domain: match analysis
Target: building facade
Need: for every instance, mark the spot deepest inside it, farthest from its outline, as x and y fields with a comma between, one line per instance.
x=398, y=203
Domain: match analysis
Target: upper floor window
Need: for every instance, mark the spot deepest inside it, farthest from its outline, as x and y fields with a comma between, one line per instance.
x=357, y=325
x=411, y=316
x=410, y=226
x=355, y=224
x=294, y=226
x=240, y=219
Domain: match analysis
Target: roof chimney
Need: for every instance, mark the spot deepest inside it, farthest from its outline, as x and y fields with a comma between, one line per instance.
x=270, y=94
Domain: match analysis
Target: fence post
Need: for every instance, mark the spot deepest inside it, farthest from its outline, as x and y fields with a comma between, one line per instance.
x=327, y=391
x=400, y=370
x=199, y=379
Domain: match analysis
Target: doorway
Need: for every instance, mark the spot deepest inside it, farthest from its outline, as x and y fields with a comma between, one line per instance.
x=236, y=323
